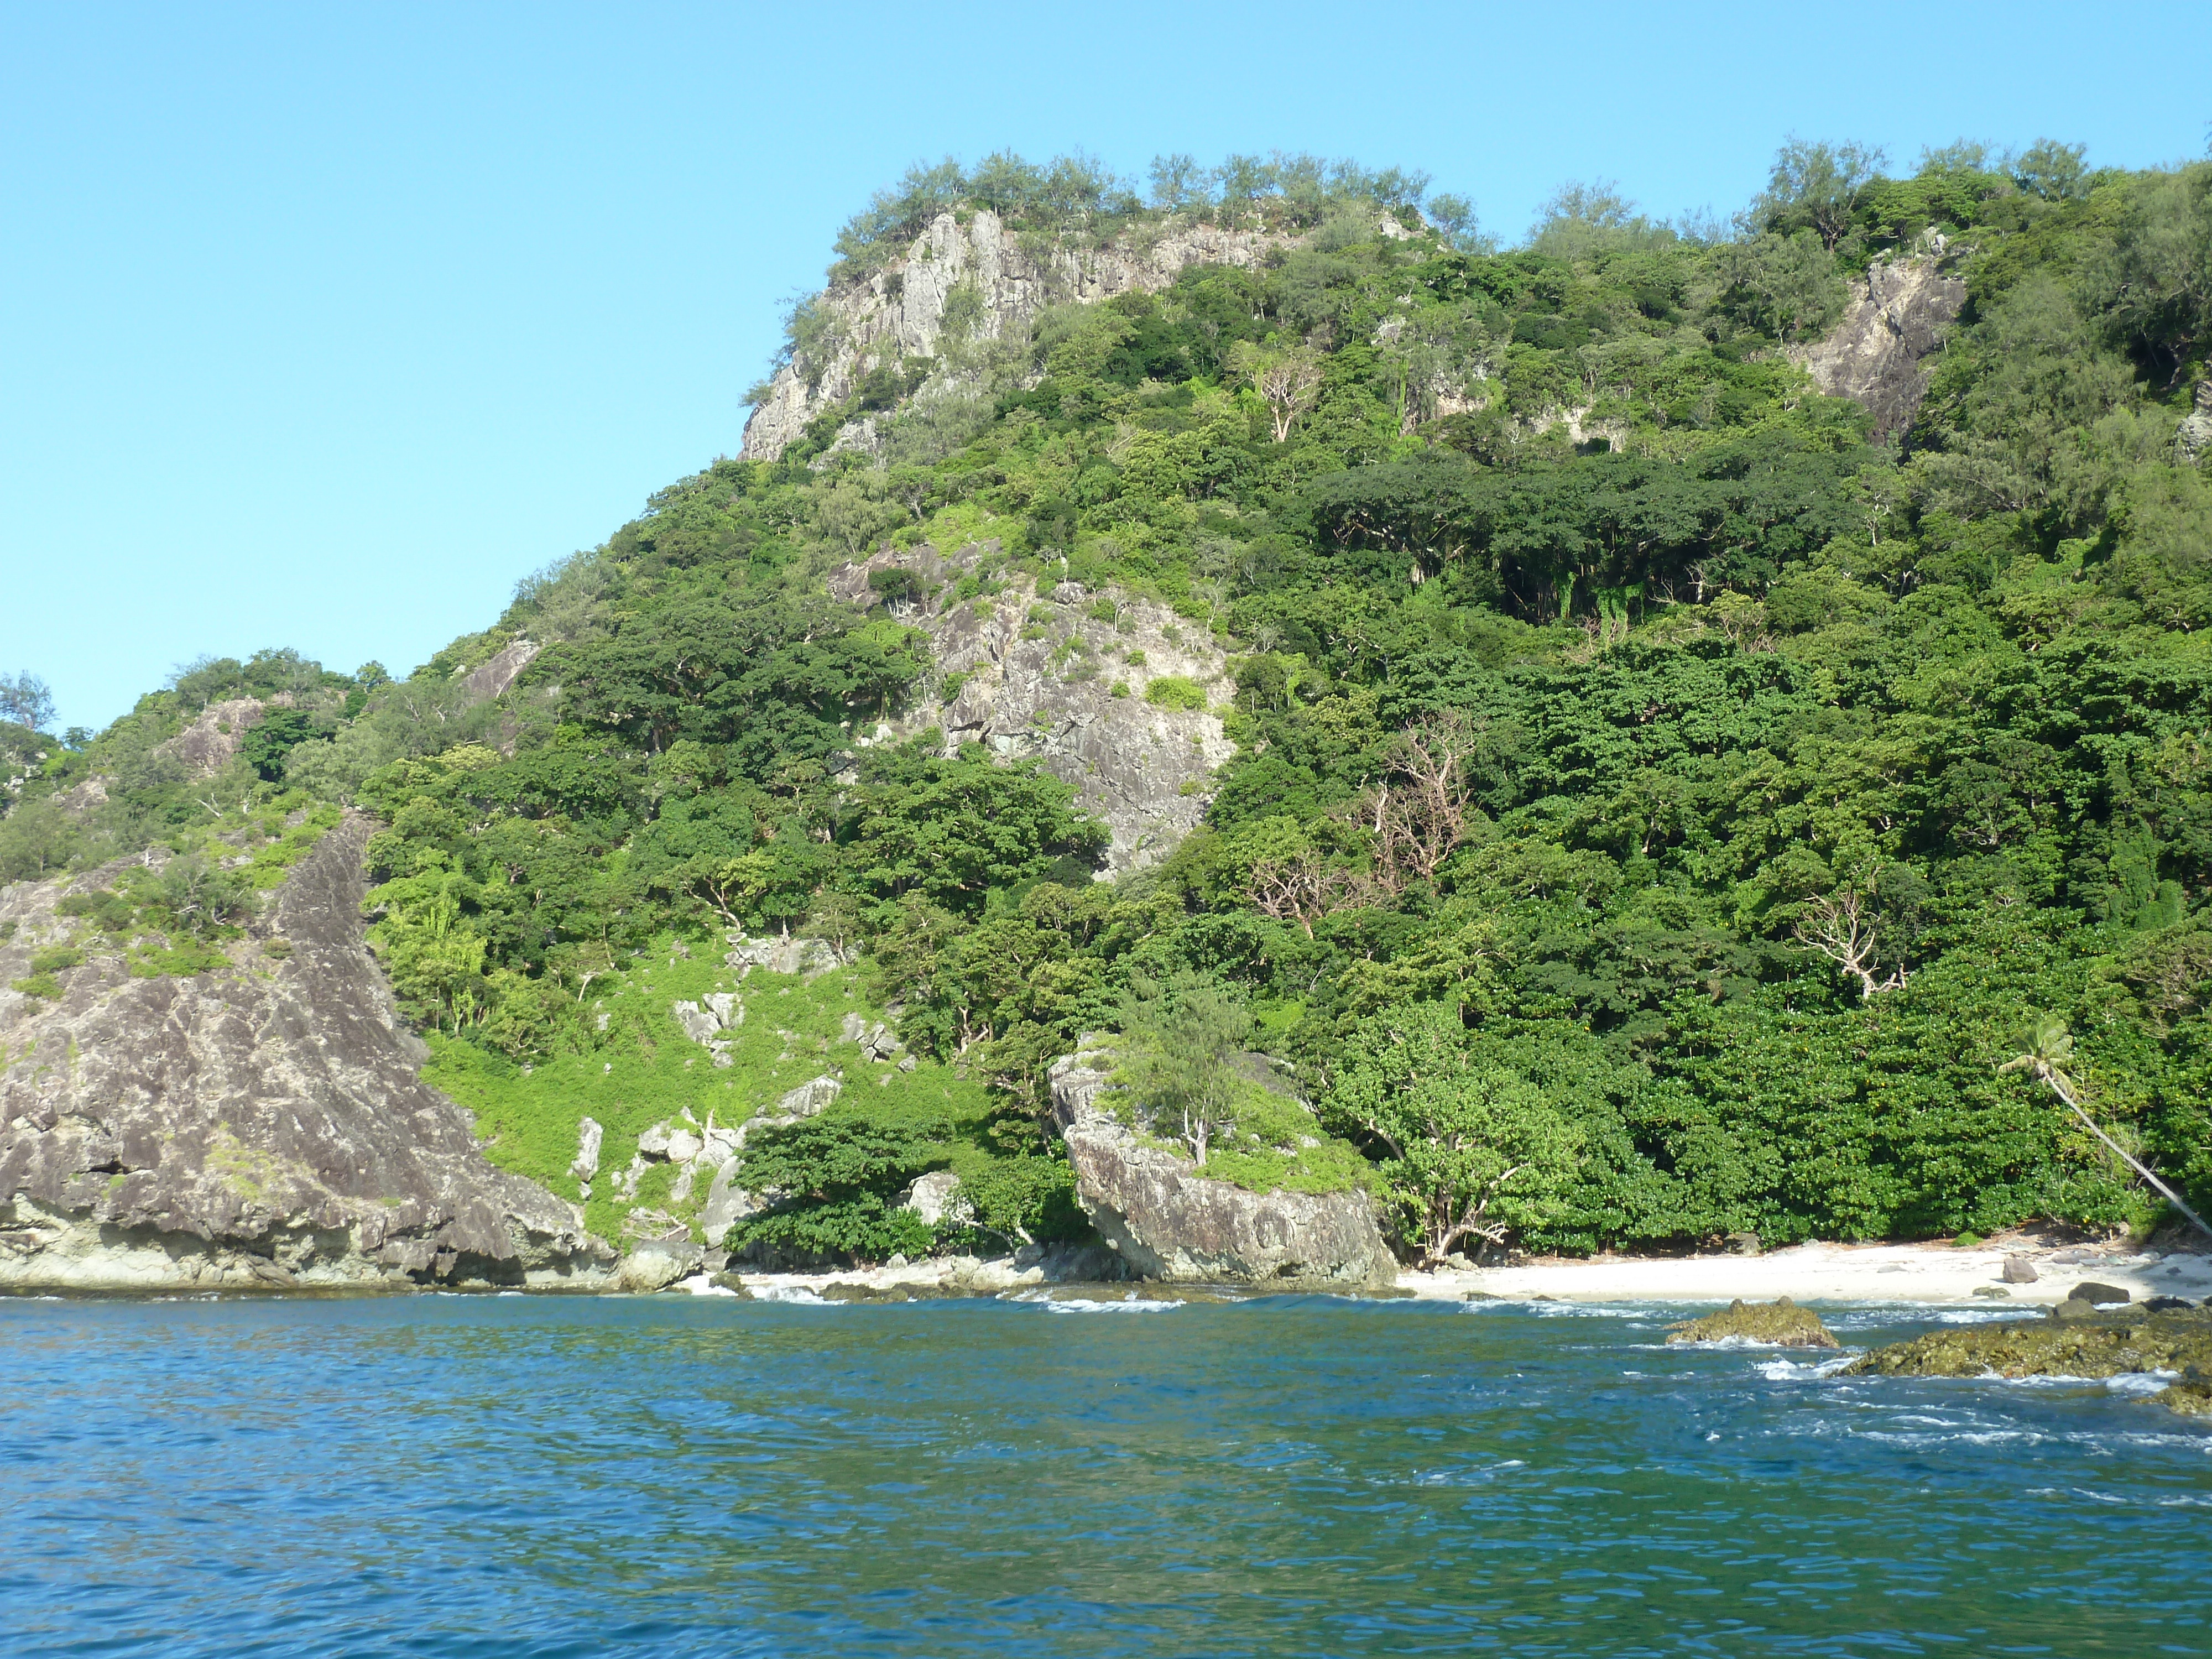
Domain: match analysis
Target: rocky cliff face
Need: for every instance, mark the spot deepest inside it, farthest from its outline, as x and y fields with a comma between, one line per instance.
x=1898, y=315
x=263, y=1127
x=2194, y=436
x=1168, y=1222
x=1032, y=674
x=900, y=312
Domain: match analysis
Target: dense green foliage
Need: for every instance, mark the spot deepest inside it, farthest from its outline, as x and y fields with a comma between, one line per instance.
x=1707, y=791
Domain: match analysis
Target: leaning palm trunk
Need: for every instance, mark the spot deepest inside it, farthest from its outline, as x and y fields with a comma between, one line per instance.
x=2050, y=1046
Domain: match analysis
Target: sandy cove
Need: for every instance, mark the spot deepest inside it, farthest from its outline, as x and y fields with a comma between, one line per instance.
x=1914, y=1273
x=1933, y=1274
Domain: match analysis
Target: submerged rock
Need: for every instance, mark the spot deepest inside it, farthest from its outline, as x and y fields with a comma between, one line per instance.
x=1169, y=1222
x=2079, y=1340
x=1780, y=1324
x=263, y=1126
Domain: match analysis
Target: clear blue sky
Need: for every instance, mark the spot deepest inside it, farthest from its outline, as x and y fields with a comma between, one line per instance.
x=319, y=325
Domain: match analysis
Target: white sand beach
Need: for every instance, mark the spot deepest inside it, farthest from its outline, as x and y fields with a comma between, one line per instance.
x=1838, y=1273
x=1930, y=1274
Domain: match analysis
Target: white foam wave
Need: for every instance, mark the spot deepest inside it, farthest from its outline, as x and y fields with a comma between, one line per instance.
x=2140, y=1383
x=1546, y=1308
x=1085, y=1304
x=1801, y=1370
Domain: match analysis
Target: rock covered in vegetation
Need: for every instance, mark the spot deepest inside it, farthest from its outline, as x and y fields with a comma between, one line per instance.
x=1899, y=314
x=1780, y=1324
x=212, y=741
x=807, y=958
x=899, y=312
x=1112, y=694
x=266, y=1126
x=2108, y=1342
x=1168, y=1222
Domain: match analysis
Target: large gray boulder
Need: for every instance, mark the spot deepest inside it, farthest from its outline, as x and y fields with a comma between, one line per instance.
x=267, y=1125
x=1169, y=1222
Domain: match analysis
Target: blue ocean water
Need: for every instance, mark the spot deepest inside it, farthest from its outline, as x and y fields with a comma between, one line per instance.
x=509, y=1475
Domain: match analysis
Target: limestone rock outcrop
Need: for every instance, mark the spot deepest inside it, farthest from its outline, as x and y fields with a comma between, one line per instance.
x=899, y=312
x=1035, y=674
x=1168, y=1222
x=2112, y=1341
x=2194, y=436
x=266, y=1126
x=1876, y=356
x=491, y=678
x=214, y=736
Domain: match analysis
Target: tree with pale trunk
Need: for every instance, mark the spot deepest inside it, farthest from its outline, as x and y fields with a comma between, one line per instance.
x=1288, y=380
x=2047, y=1051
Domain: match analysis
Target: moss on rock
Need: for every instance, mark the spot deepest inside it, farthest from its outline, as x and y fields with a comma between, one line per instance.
x=1780, y=1324
x=2105, y=1344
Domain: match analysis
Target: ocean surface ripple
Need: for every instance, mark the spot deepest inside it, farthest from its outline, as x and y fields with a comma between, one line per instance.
x=508, y=1475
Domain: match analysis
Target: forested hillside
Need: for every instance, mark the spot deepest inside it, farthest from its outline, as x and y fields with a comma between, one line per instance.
x=1658, y=807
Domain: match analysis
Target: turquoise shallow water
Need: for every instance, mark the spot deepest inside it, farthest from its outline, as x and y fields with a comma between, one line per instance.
x=508, y=1475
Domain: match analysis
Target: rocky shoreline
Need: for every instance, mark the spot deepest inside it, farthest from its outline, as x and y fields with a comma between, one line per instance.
x=265, y=1127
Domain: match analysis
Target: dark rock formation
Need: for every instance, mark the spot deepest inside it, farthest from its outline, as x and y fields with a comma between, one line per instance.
x=266, y=1126
x=2100, y=1295
x=1897, y=316
x=1780, y=1324
x=1168, y=1222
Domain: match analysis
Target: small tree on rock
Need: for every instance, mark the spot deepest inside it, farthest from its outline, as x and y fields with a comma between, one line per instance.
x=1181, y=1038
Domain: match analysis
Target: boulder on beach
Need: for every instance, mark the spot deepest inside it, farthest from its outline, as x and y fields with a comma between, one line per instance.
x=2101, y=1295
x=1169, y=1222
x=1780, y=1324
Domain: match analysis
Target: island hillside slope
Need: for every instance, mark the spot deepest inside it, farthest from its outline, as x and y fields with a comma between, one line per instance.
x=1664, y=733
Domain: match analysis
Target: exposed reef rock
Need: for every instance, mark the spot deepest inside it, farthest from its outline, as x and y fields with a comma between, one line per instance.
x=266, y=1126
x=899, y=312
x=2112, y=1341
x=1897, y=316
x=1168, y=1222
x=1780, y=1324
x=1031, y=674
